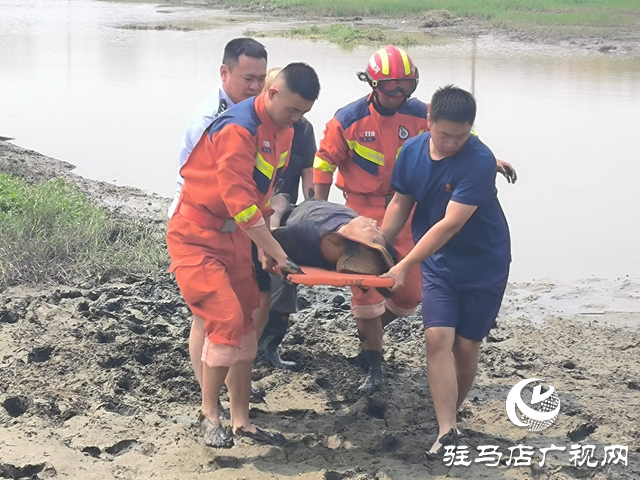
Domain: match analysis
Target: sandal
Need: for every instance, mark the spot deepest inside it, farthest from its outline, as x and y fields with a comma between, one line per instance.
x=451, y=438
x=261, y=436
x=214, y=434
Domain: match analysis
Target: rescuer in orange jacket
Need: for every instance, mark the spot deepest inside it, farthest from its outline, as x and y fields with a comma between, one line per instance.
x=224, y=205
x=362, y=142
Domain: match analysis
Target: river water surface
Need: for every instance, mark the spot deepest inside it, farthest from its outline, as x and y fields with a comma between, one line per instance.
x=115, y=102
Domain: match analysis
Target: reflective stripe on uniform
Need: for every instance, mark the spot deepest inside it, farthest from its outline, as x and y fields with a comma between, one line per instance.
x=366, y=153
x=323, y=166
x=263, y=166
x=247, y=214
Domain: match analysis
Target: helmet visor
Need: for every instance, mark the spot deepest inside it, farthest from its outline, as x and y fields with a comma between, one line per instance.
x=393, y=87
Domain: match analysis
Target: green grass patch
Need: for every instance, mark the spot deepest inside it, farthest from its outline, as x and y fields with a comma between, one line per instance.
x=625, y=13
x=346, y=35
x=52, y=232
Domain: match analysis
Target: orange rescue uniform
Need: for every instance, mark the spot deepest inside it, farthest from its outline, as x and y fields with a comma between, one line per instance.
x=364, y=145
x=228, y=181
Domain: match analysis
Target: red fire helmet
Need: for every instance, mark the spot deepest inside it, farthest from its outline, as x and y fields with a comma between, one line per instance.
x=392, y=72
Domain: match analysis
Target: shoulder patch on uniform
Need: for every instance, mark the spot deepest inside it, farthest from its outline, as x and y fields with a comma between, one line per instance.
x=350, y=114
x=403, y=133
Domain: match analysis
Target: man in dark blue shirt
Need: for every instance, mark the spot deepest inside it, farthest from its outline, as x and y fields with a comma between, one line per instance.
x=462, y=243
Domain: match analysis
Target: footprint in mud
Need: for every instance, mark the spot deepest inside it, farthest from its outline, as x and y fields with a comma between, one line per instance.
x=580, y=433
x=112, y=362
x=114, y=406
x=126, y=382
x=8, y=316
x=29, y=471
x=16, y=406
x=224, y=461
x=122, y=447
x=105, y=337
x=40, y=354
x=92, y=451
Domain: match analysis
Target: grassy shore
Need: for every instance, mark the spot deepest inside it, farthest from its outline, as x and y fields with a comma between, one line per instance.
x=52, y=232
x=340, y=34
x=506, y=13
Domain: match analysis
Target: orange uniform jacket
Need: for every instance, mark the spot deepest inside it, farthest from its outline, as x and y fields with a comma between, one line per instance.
x=364, y=146
x=232, y=170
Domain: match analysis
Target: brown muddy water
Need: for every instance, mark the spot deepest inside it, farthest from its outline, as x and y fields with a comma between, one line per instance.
x=115, y=102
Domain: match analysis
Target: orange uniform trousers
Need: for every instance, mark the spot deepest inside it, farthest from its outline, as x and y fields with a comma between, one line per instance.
x=371, y=304
x=216, y=276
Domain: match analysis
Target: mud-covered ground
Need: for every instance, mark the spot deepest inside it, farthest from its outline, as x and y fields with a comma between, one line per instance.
x=95, y=383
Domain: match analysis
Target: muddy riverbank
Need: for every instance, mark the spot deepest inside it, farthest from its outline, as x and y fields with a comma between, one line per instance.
x=610, y=40
x=96, y=382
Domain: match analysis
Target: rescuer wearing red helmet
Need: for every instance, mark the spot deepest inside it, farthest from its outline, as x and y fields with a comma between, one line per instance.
x=362, y=141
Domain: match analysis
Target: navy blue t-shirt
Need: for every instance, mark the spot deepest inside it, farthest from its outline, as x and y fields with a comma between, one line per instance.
x=303, y=150
x=481, y=251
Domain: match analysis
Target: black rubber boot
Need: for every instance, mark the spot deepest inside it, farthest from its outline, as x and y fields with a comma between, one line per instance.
x=374, y=379
x=272, y=338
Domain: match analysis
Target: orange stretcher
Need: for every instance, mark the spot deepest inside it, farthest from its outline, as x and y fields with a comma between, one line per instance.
x=318, y=276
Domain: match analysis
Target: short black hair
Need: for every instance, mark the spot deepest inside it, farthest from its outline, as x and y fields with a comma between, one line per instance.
x=453, y=104
x=242, y=46
x=301, y=79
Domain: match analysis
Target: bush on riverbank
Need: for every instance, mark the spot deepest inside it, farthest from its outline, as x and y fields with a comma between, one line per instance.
x=52, y=232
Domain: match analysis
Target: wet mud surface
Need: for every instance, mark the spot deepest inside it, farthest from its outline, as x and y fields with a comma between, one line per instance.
x=96, y=383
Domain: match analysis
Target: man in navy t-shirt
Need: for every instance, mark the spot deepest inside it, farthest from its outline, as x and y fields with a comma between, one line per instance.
x=462, y=243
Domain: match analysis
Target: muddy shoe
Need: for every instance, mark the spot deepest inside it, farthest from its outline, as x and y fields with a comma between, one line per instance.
x=451, y=438
x=372, y=383
x=261, y=436
x=214, y=434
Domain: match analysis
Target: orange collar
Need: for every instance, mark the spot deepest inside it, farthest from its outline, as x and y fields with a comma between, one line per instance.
x=261, y=111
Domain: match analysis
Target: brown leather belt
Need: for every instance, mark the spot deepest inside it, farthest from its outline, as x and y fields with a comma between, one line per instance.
x=206, y=220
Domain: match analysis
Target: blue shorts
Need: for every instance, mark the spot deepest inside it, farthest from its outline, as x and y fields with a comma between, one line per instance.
x=470, y=309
